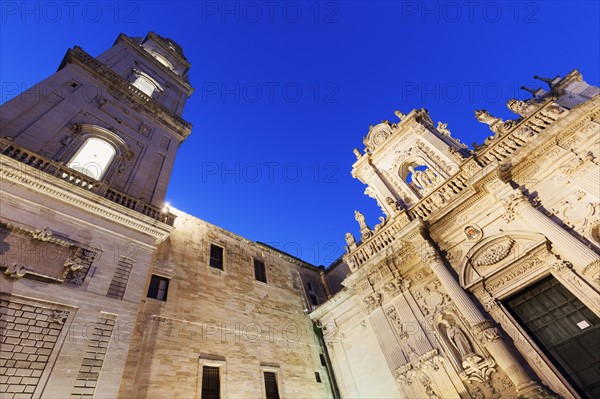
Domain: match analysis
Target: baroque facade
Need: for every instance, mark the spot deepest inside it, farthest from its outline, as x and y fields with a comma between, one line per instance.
x=480, y=281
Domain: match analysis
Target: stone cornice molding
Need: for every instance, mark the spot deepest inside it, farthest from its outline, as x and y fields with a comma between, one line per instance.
x=139, y=49
x=14, y=172
x=337, y=300
x=151, y=108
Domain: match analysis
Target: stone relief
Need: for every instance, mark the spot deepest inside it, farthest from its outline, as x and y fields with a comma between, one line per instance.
x=372, y=302
x=494, y=253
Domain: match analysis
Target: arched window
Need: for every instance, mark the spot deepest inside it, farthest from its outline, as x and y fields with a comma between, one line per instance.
x=93, y=158
x=145, y=83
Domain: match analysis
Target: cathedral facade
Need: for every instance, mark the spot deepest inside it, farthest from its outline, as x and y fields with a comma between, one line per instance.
x=480, y=281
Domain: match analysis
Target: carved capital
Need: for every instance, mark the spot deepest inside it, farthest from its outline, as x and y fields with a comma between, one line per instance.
x=486, y=332
x=429, y=255
x=372, y=302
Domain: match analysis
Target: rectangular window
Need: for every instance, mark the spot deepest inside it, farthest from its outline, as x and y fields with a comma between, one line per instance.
x=216, y=256
x=271, y=385
x=211, y=382
x=322, y=357
x=159, y=287
x=260, y=273
x=318, y=376
x=313, y=300
x=119, y=281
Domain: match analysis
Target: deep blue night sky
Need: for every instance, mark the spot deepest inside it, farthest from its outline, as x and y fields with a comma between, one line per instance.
x=285, y=90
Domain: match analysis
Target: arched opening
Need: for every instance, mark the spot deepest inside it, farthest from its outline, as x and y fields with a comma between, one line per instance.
x=93, y=158
x=145, y=83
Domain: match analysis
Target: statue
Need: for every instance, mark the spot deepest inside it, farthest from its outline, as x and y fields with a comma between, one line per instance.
x=364, y=229
x=360, y=218
x=399, y=114
x=350, y=240
x=520, y=108
x=458, y=339
x=484, y=116
x=393, y=203
x=443, y=128
x=423, y=179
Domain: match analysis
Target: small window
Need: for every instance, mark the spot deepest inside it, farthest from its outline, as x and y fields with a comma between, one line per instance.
x=260, y=274
x=313, y=300
x=216, y=256
x=309, y=285
x=322, y=357
x=211, y=382
x=93, y=158
x=318, y=376
x=159, y=287
x=271, y=390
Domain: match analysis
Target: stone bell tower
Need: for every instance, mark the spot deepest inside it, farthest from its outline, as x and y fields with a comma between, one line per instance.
x=85, y=160
x=405, y=161
x=114, y=121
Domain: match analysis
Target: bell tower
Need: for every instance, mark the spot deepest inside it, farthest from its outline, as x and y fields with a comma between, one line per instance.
x=404, y=161
x=112, y=124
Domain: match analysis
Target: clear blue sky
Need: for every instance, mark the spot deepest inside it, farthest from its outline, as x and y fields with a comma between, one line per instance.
x=285, y=90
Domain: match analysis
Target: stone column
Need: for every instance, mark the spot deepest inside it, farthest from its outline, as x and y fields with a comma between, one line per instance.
x=567, y=246
x=484, y=329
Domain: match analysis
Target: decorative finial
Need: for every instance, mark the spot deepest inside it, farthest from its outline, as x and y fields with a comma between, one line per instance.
x=356, y=153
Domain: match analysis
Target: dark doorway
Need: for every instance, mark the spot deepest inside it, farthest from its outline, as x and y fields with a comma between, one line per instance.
x=564, y=328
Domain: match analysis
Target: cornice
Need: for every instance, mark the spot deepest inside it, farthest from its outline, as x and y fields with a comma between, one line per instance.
x=14, y=172
x=114, y=81
x=139, y=49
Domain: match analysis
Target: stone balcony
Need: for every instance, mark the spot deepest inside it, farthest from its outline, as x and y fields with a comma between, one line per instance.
x=11, y=150
x=496, y=150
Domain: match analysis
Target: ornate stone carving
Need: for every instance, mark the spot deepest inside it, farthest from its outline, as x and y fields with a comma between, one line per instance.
x=42, y=234
x=443, y=128
x=15, y=271
x=397, y=323
x=364, y=229
x=477, y=369
x=394, y=287
x=486, y=332
x=372, y=302
x=472, y=232
x=59, y=317
x=495, y=253
x=458, y=339
x=521, y=108
x=351, y=241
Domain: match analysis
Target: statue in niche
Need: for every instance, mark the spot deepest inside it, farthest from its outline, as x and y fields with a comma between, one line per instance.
x=458, y=339
x=423, y=179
